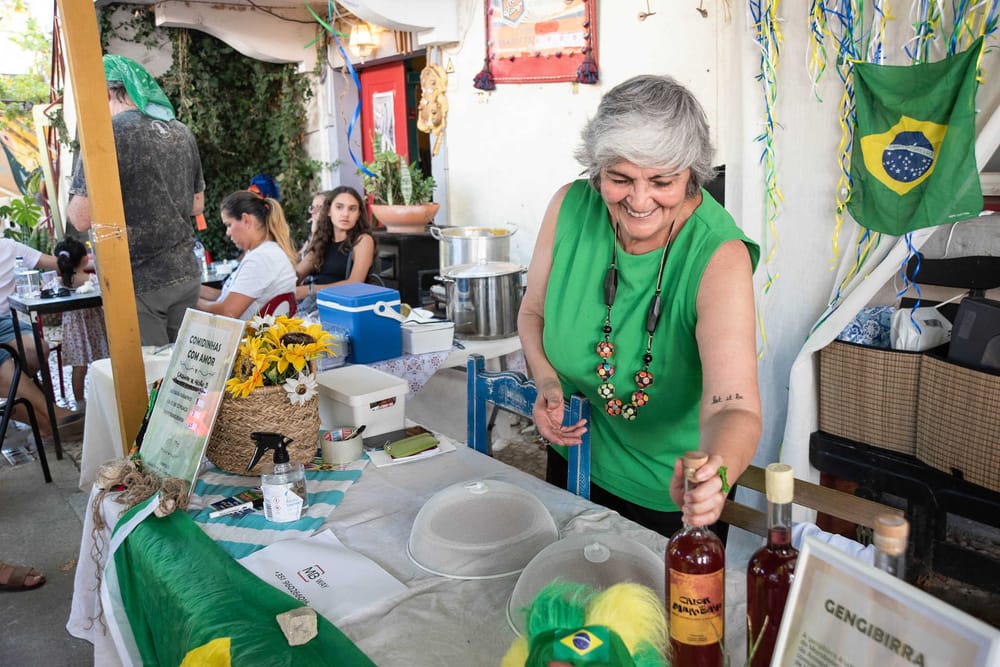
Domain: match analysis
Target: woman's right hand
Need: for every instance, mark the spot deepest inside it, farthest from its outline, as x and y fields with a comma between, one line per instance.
x=548, y=416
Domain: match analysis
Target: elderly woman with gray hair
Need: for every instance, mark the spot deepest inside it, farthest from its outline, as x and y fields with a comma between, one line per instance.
x=640, y=297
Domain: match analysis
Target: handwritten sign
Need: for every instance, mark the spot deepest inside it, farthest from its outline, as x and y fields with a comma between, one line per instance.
x=844, y=613
x=190, y=394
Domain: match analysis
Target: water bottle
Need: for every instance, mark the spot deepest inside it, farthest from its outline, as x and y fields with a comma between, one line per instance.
x=199, y=253
x=28, y=282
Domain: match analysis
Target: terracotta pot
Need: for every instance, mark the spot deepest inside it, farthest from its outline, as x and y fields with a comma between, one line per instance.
x=405, y=218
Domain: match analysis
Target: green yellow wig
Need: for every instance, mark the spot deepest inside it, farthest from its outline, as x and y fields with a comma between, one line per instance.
x=623, y=626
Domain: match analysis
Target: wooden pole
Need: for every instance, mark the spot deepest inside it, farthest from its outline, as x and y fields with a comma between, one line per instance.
x=100, y=163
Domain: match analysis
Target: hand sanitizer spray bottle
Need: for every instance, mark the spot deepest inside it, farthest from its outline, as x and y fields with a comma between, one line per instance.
x=284, y=488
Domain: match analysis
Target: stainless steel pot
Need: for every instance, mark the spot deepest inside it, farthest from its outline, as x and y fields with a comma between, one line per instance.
x=471, y=245
x=483, y=299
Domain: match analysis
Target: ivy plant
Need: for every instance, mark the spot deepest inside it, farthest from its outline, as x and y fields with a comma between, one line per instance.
x=248, y=117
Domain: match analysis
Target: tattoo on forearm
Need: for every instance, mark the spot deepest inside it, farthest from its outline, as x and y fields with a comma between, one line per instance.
x=737, y=396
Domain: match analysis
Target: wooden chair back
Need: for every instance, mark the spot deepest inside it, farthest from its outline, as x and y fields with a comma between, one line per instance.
x=828, y=501
x=512, y=391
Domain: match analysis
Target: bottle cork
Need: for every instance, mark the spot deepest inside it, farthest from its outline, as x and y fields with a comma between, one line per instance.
x=779, y=481
x=891, y=533
x=692, y=461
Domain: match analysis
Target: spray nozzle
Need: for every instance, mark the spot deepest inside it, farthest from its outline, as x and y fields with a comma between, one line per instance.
x=266, y=440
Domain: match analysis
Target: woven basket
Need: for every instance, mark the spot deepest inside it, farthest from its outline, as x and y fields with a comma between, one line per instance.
x=869, y=395
x=958, y=421
x=265, y=409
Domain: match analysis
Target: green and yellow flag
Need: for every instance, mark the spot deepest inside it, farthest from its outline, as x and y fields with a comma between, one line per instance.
x=913, y=163
x=172, y=596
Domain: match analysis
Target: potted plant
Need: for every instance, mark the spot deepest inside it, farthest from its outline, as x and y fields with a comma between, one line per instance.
x=402, y=193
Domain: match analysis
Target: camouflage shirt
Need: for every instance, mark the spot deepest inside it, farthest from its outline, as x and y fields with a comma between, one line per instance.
x=160, y=172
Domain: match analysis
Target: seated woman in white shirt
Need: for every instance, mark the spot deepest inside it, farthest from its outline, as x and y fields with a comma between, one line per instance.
x=258, y=227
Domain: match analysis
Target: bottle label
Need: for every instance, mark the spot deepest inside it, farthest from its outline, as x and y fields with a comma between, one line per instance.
x=281, y=503
x=697, y=605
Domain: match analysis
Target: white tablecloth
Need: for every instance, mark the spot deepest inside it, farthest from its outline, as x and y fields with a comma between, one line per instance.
x=102, y=439
x=417, y=369
x=439, y=621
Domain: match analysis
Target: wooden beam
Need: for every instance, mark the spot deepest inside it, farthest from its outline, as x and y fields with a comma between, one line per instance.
x=828, y=501
x=100, y=163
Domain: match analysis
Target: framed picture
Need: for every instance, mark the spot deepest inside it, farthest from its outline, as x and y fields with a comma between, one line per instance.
x=531, y=41
x=190, y=395
x=384, y=119
x=841, y=611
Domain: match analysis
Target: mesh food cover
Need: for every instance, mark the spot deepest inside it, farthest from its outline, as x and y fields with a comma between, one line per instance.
x=479, y=530
x=598, y=560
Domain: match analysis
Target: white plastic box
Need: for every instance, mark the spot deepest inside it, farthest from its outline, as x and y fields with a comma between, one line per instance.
x=420, y=338
x=357, y=395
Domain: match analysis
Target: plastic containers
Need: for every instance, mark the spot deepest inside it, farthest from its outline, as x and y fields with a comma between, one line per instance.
x=480, y=529
x=598, y=560
x=356, y=396
x=371, y=316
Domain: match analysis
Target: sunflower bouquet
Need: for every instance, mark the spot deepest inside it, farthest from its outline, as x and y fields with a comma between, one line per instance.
x=277, y=351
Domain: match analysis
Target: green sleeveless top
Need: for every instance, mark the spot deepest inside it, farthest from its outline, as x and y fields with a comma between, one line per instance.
x=632, y=459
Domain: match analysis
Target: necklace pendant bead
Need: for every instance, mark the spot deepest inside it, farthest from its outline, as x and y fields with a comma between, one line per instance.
x=605, y=349
x=630, y=412
x=605, y=370
x=639, y=398
x=606, y=390
x=643, y=379
x=614, y=407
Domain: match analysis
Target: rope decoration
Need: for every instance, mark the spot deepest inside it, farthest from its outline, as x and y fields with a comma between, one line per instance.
x=484, y=80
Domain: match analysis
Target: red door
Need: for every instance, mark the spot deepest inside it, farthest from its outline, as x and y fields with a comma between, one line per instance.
x=383, y=108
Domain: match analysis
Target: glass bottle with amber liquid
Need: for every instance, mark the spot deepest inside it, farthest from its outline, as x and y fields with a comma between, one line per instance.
x=891, y=534
x=696, y=586
x=771, y=569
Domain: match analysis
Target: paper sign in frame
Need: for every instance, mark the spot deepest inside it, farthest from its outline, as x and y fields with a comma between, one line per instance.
x=941, y=634
x=190, y=395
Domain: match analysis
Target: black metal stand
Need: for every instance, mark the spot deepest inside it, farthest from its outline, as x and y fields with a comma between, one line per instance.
x=931, y=495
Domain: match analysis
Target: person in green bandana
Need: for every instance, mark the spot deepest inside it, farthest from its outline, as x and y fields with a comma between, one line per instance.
x=640, y=297
x=162, y=187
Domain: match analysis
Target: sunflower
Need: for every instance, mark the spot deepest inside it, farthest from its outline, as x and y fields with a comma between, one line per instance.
x=276, y=351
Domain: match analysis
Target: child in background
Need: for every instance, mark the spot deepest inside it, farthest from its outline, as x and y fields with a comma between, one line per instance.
x=84, y=336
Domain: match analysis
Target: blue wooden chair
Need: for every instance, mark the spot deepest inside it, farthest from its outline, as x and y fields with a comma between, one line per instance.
x=513, y=392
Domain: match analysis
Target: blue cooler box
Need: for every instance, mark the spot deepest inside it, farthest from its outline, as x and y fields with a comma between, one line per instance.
x=356, y=307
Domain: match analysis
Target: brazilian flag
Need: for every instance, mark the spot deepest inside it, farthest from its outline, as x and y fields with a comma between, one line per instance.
x=913, y=162
x=173, y=597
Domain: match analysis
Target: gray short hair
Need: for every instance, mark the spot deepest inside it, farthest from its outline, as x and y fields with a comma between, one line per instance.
x=653, y=122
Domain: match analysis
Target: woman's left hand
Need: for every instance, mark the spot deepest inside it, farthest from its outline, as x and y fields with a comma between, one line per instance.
x=703, y=505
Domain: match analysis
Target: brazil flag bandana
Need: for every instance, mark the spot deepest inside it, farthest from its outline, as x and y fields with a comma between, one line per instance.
x=913, y=162
x=171, y=596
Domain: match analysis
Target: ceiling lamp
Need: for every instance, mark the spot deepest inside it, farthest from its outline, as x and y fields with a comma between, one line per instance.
x=363, y=42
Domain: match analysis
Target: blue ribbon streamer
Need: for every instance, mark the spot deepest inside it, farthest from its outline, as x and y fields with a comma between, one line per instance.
x=357, y=84
x=906, y=279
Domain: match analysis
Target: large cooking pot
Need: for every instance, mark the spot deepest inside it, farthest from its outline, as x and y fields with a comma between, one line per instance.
x=471, y=245
x=483, y=299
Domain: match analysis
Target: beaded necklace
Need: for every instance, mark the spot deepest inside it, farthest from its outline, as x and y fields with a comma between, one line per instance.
x=605, y=348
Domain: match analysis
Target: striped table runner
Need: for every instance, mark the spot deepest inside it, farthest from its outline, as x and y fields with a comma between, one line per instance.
x=242, y=536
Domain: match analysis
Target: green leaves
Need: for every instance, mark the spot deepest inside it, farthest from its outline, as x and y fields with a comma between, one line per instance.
x=248, y=116
x=395, y=182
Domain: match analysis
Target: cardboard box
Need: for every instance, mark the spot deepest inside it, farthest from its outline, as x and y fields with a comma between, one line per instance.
x=358, y=395
x=369, y=313
x=423, y=337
